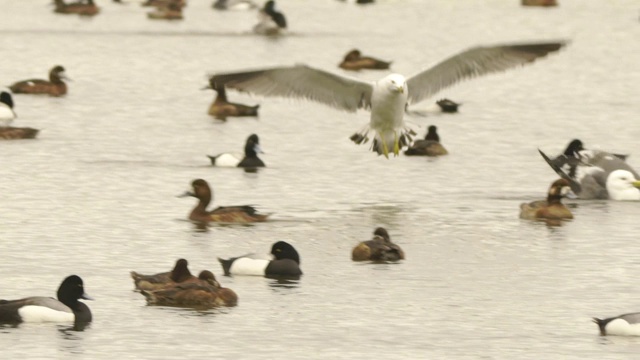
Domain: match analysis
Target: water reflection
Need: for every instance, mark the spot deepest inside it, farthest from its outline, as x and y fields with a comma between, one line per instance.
x=277, y=284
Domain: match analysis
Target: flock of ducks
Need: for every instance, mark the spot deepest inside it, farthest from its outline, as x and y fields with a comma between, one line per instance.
x=584, y=174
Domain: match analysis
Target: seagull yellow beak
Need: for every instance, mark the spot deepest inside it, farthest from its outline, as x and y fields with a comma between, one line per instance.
x=401, y=89
x=636, y=184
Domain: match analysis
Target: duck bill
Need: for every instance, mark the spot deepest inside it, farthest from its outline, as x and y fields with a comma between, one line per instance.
x=186, y=193
x=257, y=149
x=86, y=296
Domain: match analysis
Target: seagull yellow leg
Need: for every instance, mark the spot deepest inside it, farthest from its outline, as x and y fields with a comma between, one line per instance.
x=396, y=146
x=385, y=148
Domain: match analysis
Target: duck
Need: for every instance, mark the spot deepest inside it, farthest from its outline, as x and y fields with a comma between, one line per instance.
x=234, y=5
x=221, y=108
x=7, y=115
x=552, y=208
x=539, y=3
x=38, y=309
x=202, y=294
x=430, y=146
x=180, y=273
x=380, y=248
x=82, y=7
x=621, y=325
x=596, y=174
x=171, y=11
x=250, y=159
x=271, y=21
x=223, y=214
x=285, y=263
x=54, y=87
x=355, y=61
x=448, y=106
x=164, y=3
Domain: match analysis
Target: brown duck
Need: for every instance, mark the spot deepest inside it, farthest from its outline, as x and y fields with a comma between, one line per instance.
x=552, y=208
x=7, y=115
x=204, y=293
x=221, y=108
x=225, y=214
x=355, y=61
x=180, y=273
x=82, y=7
x=380, y=248
x=54, y=86
x=430, y=146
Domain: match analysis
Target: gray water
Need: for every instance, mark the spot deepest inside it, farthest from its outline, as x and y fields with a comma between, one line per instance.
x=95, y=193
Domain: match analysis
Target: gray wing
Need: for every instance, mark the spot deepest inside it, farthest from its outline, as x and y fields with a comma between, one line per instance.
x=302, y=82
x=632, y=318
x=610, y=162
x=475, y=62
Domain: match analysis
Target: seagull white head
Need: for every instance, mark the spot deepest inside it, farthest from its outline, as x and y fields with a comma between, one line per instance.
x=395, y=83
x=622, y=185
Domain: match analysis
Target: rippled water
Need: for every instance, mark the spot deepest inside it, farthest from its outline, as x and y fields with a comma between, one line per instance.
x=95, y=194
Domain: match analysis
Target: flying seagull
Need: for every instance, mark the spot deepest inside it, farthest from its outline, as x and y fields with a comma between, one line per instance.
x=387, y=97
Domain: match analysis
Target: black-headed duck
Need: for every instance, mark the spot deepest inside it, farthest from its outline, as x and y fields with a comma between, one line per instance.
x=82, y=7
x=596, y=174
x=223, y=214
x=66, y=308
x=250, y=159
x=54, y=86
x=552, y=208
x=621, y=325
x=180, y=273
x=286, y=263
x=221, y=108
x=380, y=248
x=430, y=146
x=355, y=61
x=202, y=294
x=271, y=21
x=7, y=115
x=448, y=106
x=234, y=5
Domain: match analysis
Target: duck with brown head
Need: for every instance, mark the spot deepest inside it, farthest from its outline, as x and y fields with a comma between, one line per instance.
x=221, y=108
x=82, y=7
x=55, y=86
x=223, y=214
x=380, y=248
x=430, y=146
x=552, y=208
x=204, y=293
x=355, y=61
x=180, y=273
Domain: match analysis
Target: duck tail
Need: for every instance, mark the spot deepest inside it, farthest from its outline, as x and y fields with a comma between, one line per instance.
x=149, y=295
x=601, y=325
x=226, y=265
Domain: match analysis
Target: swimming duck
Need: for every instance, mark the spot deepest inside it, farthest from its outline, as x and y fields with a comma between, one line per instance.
x=622, y=325
x=221, y=107
x=164, y=3
x=250, y=159
x=234, y=5
x=171, y=11
x=271, y=21
x=539, y=3
x=552, y=208
x=430, y=146
x=355, y=61
x=47, y=309
x=179, y=273
x=202, y=294
x=54, y=87
x=225, y=214
x=82, y=7
x=448, y=106
x=6, y=118
x=286, y=263
x=596, y=174
x=380, y=248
